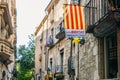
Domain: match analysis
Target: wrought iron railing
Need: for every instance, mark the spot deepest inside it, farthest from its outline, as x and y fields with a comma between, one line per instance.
x=49, y=41
x=58, y=71
x=58, y=68
x=94, y=10
x=60, y=31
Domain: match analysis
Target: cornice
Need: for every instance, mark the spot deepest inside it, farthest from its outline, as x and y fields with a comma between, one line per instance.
x=50, y=5
x=41, y=24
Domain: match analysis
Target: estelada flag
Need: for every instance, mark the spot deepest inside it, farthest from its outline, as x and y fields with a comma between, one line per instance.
x=74, y=21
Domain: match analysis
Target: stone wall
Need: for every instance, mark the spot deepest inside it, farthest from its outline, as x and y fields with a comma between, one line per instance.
x=88, y=58
x=88, y=67
x=67, y=54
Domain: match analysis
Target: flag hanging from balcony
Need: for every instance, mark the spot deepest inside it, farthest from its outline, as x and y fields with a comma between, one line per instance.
x=74, y=21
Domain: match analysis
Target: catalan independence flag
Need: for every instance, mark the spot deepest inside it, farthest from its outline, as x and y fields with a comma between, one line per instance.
x=74, y=20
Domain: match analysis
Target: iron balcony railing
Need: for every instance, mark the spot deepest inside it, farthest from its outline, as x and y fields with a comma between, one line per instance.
x=96, y=9
x=60, y=31
x=49, y=41
x=58, y=68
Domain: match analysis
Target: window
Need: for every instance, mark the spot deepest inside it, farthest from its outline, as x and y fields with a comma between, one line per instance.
x=114, y=3
x=51, y=63
x=108, y=66
x=61, y=58
x=111, y=56
x=52, y=32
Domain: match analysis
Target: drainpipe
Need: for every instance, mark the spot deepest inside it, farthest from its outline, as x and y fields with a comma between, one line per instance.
x=46, y=57
x=71, y=72
x=71, y=52
x=78, y=64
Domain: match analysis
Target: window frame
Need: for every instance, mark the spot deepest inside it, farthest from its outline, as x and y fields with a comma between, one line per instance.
x=103, y=63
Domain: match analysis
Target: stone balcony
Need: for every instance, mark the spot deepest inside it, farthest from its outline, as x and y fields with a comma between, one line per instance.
x=6, y=50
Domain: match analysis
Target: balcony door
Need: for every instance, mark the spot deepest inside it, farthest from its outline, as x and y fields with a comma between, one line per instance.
x=111, y=56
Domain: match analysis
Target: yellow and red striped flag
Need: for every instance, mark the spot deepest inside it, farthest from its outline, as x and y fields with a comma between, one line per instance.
x=74, y=21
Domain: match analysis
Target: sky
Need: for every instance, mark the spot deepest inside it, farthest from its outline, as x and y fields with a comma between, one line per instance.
x=29, y=15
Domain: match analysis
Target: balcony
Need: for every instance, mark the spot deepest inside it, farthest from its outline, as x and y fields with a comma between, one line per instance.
x=5, y=51
x=58, y=68
x=59, y=71
x=104, y=21
x=49, y=41
x=106, y=24
x=60, y=31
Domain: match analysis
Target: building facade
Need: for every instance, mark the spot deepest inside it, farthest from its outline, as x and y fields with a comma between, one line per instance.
x=7, y=39
x=96, y=59
x=40, y=50
x=102, y=23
